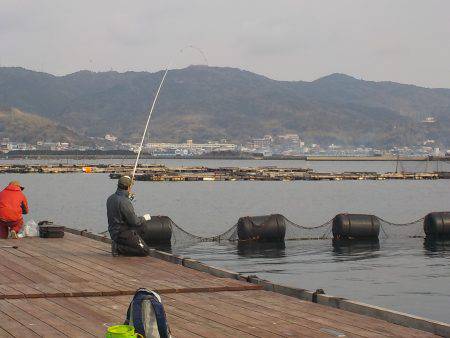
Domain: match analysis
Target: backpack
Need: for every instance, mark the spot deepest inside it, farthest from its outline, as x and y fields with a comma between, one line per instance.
x=146, y=313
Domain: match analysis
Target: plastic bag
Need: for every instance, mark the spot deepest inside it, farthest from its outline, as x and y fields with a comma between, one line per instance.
x=30, y=229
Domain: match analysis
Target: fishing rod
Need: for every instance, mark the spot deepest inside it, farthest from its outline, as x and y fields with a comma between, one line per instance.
x=148, y=121
x=155, y=99
x=154, y=103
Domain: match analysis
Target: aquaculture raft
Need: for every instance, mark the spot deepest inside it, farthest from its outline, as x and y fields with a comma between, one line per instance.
x=156, y=172
x=72, y=286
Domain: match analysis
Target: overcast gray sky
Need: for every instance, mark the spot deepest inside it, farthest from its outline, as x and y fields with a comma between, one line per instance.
x=405, y=41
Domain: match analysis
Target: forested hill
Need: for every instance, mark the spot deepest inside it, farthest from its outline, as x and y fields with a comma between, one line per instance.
x=31, y=128
x=206, y=103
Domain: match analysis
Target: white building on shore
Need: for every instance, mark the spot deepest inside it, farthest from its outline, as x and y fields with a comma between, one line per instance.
x=191, y=147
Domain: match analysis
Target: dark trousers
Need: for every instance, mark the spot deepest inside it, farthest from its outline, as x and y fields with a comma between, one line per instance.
x=129, y=243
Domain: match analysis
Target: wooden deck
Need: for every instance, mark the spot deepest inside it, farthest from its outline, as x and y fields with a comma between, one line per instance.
x=73, y=287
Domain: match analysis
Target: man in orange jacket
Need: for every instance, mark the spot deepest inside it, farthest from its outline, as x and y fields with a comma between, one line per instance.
x=13, y=204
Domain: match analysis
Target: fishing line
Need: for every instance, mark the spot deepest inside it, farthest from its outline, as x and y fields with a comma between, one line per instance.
x=155, y=99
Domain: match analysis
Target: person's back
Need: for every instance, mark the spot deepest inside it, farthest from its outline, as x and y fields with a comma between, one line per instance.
x=13, y=204
x=116, y=220
x=123, y=224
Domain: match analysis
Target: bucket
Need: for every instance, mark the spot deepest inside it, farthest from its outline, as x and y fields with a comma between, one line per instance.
x=122, y=331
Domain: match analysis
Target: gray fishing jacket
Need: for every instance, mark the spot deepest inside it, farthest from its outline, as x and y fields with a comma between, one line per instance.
x=121, y=215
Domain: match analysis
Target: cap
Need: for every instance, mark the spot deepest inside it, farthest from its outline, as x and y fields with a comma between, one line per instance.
x=125, y=182
x=17, y=184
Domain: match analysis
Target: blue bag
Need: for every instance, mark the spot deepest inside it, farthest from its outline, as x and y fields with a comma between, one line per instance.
x=146, y=313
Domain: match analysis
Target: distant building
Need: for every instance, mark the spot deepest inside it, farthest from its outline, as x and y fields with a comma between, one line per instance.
x=62, y=146
x=259, y=143
x=292, y=138
x=189, y=148
x=110, y=137
x=5, y=147
x=429, y=119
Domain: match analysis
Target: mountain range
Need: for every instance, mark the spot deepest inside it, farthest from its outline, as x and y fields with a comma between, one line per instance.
x=209, y=103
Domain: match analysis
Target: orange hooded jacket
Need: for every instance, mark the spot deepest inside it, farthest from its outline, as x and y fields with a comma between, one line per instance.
x=13, y=204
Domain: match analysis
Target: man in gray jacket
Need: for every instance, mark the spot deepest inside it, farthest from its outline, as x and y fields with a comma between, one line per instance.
x=123, y=224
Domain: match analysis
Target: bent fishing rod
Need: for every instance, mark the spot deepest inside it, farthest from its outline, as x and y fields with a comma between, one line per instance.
x=148, y=121
x=154, y=103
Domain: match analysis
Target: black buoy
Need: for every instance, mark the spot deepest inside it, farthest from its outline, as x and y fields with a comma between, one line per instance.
x=355, y=226
x=437, y=225
x=157, y=231
x=269, y=228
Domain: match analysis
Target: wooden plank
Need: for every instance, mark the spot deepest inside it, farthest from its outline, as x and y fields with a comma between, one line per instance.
x=117, y=271
x=9, y=292
x=81, y=283
x=77, y=305
x=120, y=304
x=297, y=317
x=49, y=318
x=5, y=334
x=13, y=327
x=212, y=328
x=116, y=264
x=27, y=290
x=47, y=290
x=13, y=275
x=90, y=326
x=23, y=268
x=288, y=304
x=248, y=321
x=31, y=322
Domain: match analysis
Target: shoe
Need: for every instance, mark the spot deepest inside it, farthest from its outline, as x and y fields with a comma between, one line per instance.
x=14, y=234
x=114, y=249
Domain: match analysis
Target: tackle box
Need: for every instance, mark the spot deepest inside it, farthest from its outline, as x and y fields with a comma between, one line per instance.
x=49, y=230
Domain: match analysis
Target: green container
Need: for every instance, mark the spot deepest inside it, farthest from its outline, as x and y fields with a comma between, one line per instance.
x=121, y=331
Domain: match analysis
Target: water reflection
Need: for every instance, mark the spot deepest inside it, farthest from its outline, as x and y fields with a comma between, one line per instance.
x=261, y=250
x=433, y=246
x=355, y=249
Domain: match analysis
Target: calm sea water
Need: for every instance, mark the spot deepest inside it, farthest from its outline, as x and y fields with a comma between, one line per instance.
x=405, y=275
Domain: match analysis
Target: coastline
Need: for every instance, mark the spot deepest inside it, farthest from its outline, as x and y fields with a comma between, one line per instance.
x=108, y=155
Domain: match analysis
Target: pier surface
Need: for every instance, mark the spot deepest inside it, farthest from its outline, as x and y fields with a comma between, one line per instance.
x=73, y=287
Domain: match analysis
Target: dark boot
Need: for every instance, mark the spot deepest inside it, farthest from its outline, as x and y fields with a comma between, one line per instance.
x=114, y=249
x=129, y=243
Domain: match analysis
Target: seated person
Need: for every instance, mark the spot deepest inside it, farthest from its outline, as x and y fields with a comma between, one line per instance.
x=123, y=224
x=13, y=204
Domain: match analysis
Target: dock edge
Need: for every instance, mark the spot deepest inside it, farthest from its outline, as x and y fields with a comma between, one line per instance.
x=391, y=316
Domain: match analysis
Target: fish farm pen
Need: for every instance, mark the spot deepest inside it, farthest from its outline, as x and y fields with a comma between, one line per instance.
x=163, y=173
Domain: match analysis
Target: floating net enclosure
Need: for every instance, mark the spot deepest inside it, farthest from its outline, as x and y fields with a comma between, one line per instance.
x=295, y=231
x=291, y=230
x=401, y=230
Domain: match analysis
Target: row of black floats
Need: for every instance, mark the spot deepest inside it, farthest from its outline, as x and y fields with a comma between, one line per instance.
x=273, y=228
x=345, y=227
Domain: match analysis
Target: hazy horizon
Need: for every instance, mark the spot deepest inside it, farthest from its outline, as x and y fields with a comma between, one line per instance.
x=212, y=66
x=405, y=41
